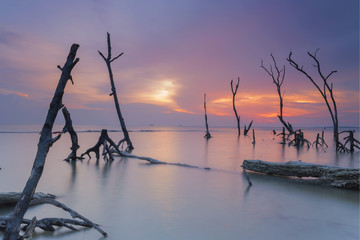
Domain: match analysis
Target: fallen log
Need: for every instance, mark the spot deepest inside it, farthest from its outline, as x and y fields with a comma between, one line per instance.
x=46, y=224
x=341, y=177
x=9, y=198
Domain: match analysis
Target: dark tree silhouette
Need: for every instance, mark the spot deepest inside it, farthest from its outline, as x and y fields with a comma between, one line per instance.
x=320, y=141
x=45, y=142
x=246, y=129
x=73, y=135
x=16, y=217
x=278, y=79
x=103, y=140
x=234, y=91
x=207, y=135
x=108, y=60
x=349, y=140
x=326, y=90
x=253, y=142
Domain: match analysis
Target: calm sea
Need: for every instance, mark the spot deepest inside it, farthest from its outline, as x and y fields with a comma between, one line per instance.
x=132, y=199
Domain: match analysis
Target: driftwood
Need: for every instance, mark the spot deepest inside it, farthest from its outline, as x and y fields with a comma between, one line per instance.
x=347, y=178
x=207, y=134
x=234, y=91
x=47, y=224
x=104, y=139
x=108, y=153
x=9, y=198
x=278, y=80
x=108, y=61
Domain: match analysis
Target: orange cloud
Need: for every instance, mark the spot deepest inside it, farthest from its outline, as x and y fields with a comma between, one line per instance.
x=7, y=92
x=182, y=110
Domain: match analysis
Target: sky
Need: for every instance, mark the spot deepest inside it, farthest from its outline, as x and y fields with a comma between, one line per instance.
x=174, y=52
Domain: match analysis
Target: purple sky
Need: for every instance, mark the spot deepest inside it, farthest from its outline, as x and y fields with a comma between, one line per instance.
x=175, y=51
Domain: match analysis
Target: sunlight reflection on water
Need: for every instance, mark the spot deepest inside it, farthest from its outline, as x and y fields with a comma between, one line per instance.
x=135, y=200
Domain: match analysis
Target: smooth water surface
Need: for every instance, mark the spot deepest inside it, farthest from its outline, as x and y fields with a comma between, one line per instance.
x=132, y=199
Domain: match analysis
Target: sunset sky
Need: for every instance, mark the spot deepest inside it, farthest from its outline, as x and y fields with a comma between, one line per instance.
x=174, y=52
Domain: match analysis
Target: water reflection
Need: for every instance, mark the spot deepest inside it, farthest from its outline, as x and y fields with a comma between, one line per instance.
x=73, y=174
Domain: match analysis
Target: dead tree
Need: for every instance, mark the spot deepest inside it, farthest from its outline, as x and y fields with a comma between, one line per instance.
x=326, y=90
x=349, y=140
x=103, y=140
x=253, y=142
x=108, y=60
x=207, y=135
x=278, y=79
x=15, y=218
x=320, y=141
x=73, y=136
x=46, y=224
x=246, y=129
x=299, y=139
x=234, y=91
x=283, y=136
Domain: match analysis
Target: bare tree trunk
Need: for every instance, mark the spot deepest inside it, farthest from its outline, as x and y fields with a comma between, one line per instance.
x=349, y=140
x=74, y=138
x=324, y=91
x=45, y=142
x=253, y=142
x=246, y=129
x=278, y=81
x=108, y=61
x=207, y=135
x=234, y=108
x=10, y=198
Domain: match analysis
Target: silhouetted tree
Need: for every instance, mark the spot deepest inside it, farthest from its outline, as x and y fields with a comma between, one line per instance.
x=207, y=135
x=234, y=91
x=349, y=140
x=104, y=139
x=108, y=60
x=278, y=79
x=246, y=129
x=253, y=142
x=320, y=141
x=326, y=90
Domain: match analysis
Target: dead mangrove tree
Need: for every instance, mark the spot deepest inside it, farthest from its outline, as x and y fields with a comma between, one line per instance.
x=73, y=135
x=207, y=134
x=108, y=60
x=326, y=90
x=278, y=80
x=16, y=217
x=234, y=91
